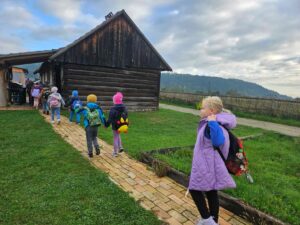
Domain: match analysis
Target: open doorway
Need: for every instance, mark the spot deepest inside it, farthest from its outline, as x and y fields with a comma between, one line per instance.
x=17, y=85
x=20, y=83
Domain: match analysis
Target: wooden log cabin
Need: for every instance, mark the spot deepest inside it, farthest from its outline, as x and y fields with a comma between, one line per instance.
x=114, y=56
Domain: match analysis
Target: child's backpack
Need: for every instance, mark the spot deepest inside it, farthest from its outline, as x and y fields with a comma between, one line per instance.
x=93, y=117
x=46, y=94
x=54, y=101
x=122, y=122
x=236, y=162
x=35, y=92
x=76, y=104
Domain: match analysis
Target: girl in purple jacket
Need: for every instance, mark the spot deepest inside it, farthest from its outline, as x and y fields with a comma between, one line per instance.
x=209, y=173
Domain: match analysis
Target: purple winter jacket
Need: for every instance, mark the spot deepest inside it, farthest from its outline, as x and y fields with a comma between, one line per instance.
x=208, y=169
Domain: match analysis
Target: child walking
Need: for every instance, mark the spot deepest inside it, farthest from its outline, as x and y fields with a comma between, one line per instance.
x=93, y=117
x=55, y=102
x=74, y=104
x=209, y=173
x=114, y=116
x=44, y=98
x=35, y=93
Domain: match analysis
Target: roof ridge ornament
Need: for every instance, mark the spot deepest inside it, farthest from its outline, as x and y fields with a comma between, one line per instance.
x=109, y=15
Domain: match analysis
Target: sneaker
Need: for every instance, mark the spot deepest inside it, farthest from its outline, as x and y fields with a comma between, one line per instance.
x=121, y=150
x=90, y=155
x=70, y=122
x=208, y=221
x=97, y=151
x=114, y=154
x=47, y=112
x=52, y=121
x=58, y=122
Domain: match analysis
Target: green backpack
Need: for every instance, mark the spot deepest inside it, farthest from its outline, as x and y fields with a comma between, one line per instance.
x=93, y=117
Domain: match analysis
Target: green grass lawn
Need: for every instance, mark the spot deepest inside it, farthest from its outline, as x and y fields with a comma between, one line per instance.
x=273, y=119
x=44, y=180
x=274, y=158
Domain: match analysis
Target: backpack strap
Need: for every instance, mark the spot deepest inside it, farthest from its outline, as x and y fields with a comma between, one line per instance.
x=207, y=129
x=219, y=150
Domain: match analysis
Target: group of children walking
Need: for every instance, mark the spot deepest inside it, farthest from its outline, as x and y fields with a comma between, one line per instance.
x=208, y=173
x=92, y=114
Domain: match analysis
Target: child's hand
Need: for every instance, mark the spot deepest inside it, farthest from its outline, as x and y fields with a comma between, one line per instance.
x=212, y=117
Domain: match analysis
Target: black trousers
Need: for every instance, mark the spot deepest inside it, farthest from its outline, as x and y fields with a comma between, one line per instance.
x=213, y=203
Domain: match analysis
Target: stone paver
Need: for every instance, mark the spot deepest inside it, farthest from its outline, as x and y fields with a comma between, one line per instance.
x=163, y=196
x=279, y=128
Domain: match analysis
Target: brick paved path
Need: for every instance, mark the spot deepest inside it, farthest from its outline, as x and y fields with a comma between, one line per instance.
x=162, y=196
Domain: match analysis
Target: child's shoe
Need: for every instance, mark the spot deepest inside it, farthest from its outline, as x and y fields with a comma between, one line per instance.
x=47, y=112
x=70, y=122
x=58, y=122
x=90, y=155
x=208, y=221
x=121, y=150
x=52, y=121
x=114, y=154
x=97, y=151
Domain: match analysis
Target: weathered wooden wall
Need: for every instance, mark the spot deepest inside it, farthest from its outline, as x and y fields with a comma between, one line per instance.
x=140, y=88
x=273, y=107
x=3, y=89
x=117, y=44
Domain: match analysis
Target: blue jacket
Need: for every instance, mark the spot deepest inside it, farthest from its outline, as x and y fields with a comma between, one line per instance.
x=91, y=106
x=70, y=102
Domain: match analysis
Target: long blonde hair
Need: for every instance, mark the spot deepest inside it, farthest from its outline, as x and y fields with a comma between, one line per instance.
x=215, y=103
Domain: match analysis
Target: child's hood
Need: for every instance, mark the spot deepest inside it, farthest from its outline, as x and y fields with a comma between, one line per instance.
x=92, y=105
x=227, y=120
x=119, y=107
x=75, y=93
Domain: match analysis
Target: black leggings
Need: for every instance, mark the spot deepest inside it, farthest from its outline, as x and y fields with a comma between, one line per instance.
x=213, y=203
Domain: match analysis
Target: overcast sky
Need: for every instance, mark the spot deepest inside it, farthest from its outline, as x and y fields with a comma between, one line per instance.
x=256, y=41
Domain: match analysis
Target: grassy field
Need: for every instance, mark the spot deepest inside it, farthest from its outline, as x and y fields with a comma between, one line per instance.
x=45, y=181
x=274, y=158
x=273, y=119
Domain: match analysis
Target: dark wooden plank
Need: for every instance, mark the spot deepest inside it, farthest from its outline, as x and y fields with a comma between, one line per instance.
x=108, y=77
x=115, y=83
x=127, y=71
x=92, y=87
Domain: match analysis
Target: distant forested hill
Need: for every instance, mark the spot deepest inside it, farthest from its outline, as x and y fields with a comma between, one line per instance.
x=215, y=86
x=31, y=68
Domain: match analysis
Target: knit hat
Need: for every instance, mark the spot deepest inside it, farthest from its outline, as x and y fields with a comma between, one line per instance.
x=54, y=89
x=118, y=98
x=75, y=93
x=91, y=98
